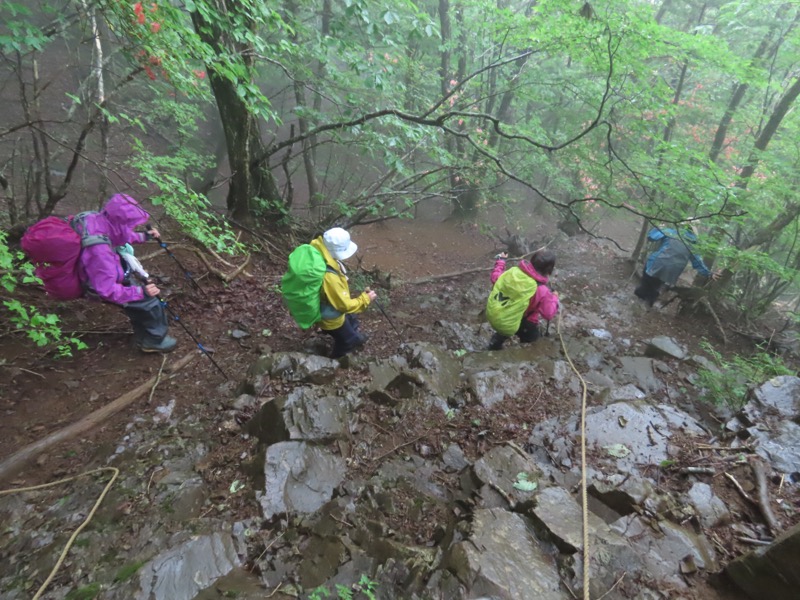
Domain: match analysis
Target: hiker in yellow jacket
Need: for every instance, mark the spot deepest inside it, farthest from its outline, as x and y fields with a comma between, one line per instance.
x=337, y=307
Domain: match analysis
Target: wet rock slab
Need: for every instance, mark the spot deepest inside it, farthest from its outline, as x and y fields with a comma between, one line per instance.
x=181, y=572
x=665, y=347
x=625, y=434
x=299, y=477
x=502, y=559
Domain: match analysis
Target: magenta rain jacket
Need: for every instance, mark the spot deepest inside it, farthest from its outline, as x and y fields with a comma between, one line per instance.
x=544, y=302
x=100, y=266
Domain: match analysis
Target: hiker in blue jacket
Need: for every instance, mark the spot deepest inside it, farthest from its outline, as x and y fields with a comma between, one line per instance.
x=665, y=265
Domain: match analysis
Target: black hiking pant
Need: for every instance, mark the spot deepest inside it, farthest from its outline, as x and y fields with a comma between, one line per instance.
x=347, y=337
x=149, y=320
x=528, y=332
x=649, y=288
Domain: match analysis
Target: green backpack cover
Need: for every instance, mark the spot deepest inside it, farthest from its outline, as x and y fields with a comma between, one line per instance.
x=511, y=294
x=301, y=284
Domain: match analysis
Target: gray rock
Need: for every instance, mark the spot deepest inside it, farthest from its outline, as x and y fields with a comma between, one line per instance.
x=439, y=370
x=384, y=371
x=293, y=366
x=770, y=572
x=627, y=435
x=502, y=467
x=627, y=392
x=780, y=447
x=665, y=347
x=299, y=478
x=454, y=459
x=314, y=415
x=621, y=493
x=781, y=396
x=710, y=509
x=704, y=363
x=491, y=387
x=462, y=336
x=501, y=560
x=600, y=334
x=558, y=512
x=639, y=370
x=181, y=572
x=662, y=555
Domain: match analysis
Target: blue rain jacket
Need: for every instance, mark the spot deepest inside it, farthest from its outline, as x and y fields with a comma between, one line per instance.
x=673, y=254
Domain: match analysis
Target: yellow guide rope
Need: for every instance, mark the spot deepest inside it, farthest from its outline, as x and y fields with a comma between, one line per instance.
x=82, y=526
x=584, y=497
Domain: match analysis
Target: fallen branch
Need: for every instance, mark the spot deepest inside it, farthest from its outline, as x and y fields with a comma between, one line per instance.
x=448, y=276
x=763, y=496
x=19, y=459
x=707, y=304
x=755, y=542
x=698, y=471
x=226, y=277
x=396, y=448
x=158, y=379
x=740, y=489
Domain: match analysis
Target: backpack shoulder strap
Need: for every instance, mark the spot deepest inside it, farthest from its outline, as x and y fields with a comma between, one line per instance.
x=78, y=225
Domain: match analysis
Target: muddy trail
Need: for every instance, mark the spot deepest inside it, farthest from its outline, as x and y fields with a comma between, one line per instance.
x=191, y=446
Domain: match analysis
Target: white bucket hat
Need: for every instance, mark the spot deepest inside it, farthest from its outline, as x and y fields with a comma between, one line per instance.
x=339, y=244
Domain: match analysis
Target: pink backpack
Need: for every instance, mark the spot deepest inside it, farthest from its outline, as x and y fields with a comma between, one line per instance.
x=54, y=246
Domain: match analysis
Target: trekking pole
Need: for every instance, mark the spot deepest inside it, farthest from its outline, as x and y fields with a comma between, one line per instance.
x=175, y=258
x=380, y=308
x=194, y=339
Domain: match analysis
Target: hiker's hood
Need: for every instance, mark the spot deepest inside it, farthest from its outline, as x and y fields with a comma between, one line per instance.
x=528, y=268
x=123, y=213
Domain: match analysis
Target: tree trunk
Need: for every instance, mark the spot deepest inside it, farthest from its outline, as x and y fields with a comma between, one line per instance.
x=250, y=179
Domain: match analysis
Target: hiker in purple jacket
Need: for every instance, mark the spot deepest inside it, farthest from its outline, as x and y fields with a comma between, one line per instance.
x=543, y=304
x=106, y=276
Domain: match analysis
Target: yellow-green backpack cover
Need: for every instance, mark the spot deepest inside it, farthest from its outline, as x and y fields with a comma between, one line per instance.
x=511, y=295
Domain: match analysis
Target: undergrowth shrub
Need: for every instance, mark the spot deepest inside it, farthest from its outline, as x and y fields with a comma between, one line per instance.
x=730, y=381
x=364, y=589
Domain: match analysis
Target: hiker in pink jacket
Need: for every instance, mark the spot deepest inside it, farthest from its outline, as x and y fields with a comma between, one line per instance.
x=543, y=304
x=107, y=277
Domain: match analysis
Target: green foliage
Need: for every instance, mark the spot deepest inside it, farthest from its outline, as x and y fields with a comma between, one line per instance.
x=86, y=592
x=42, y=329
x=19, y=33
x=729, y=383
x=189, y=208
x=128, y=571
x=365, y=588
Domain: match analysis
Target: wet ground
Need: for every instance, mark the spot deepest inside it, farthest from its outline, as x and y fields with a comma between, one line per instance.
x=40, y=394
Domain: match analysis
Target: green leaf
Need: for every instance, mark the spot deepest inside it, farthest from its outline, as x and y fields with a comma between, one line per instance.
x=524, y=484
x=617, y=450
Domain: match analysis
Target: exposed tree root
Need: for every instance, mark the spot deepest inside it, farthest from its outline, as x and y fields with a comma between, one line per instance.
x=226, y=277
x=19, y=459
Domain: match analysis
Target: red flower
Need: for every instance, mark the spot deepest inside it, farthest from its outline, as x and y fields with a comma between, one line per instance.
x=200, y=74
x=137, y=8
x=155, y=27
x=149, y=72
x=140, y=18
x=153, y=7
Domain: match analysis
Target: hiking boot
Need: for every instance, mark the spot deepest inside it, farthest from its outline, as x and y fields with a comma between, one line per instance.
x=497, y=341
x=166, y=345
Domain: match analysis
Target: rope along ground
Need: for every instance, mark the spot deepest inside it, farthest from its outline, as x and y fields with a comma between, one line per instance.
x=86, y=521
x=584, y=498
